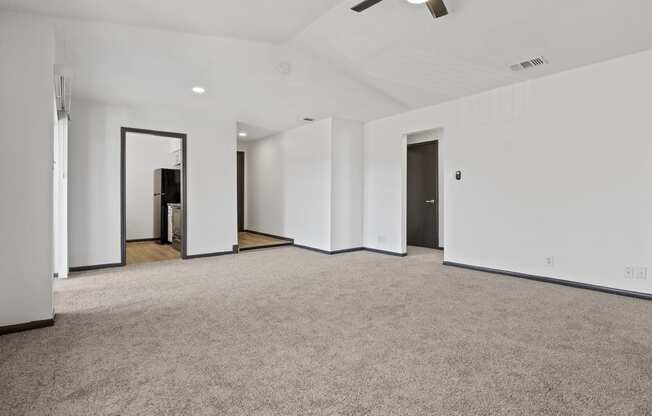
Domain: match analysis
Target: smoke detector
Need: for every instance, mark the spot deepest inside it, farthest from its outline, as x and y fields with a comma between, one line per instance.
x=529, y=64
x=285, y=68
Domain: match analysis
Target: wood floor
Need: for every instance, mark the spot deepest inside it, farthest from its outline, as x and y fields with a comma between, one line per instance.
x=150, y=251
x=247, y=240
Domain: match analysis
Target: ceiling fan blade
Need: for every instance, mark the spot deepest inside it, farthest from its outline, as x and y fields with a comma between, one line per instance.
x=437, y=8
x=365, y=5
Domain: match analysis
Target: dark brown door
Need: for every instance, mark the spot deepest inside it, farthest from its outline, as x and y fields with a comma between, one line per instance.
x=422, y=182
x=167, y=190
x=241, y=192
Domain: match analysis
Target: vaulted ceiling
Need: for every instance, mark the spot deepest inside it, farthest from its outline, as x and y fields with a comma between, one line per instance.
x=399, y=49
x=274, y=62
x=266, y=85
x=263, y=20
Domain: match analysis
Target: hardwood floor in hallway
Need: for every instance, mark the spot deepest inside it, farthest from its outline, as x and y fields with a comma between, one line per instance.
x=248, y=240
x=150, y=251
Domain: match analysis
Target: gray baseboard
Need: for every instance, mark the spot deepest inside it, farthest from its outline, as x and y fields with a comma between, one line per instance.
x=347, y=250
x=318, y=250
x=27, y=326
x=94, y=267
x=216, y=254
x=389, y=253
x=570, y=283
x=288, y=243
x=350, y=250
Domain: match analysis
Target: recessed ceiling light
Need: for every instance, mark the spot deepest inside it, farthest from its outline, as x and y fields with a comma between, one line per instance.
x=198, y=90
x=242, y=134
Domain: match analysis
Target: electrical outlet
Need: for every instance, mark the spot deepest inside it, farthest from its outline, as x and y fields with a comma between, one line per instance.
x=641, y=273
x=550, y=261
x=629, y=272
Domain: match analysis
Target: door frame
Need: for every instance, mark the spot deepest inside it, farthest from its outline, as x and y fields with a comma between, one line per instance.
x=438, y=135
x=60, y=196
x=123, y=187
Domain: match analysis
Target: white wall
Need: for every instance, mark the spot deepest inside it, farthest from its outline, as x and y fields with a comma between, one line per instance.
x=560, y=166
x=26, y=137
x=265, y=197
x=306, y=184
x=346, y=198
x=94, y=180
x=144, y=154
x=290, y=185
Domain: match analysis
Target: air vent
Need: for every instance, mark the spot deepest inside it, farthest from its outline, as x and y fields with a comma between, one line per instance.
x=529, y=64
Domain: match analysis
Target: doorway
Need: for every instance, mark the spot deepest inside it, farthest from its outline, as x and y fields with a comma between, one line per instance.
x=241, y=189
x=153, y=196
x=248, y=239
x=422, y=194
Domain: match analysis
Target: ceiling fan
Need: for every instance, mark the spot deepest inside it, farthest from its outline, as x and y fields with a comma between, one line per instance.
x=436, y=7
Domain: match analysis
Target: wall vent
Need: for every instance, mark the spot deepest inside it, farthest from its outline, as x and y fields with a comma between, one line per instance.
x=529, y=64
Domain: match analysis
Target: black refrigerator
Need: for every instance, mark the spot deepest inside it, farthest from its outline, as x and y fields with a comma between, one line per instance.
x=167, y=190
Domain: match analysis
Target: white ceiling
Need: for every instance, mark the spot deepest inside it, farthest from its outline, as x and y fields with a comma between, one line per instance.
x=399, y=49
x=263, y=20
x=389, y=59
x=252, y=132
x=135, y=66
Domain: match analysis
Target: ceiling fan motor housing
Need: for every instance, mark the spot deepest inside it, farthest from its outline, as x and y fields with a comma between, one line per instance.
x=437, y=7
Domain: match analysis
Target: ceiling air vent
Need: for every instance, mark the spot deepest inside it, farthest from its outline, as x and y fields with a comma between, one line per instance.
x=529, y=64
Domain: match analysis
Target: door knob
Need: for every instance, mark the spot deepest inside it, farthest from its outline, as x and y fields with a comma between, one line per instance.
x=430, y=201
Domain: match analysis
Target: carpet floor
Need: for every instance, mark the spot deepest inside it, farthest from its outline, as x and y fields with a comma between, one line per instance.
x=287, y=331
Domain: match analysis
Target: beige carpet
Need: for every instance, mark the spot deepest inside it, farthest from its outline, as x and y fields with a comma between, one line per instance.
x=287, y=331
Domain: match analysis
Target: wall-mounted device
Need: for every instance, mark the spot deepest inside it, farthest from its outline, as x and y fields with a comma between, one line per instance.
x=458, y=175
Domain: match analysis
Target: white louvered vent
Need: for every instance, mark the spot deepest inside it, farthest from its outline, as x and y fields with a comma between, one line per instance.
x=529, y=64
